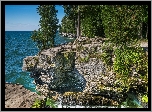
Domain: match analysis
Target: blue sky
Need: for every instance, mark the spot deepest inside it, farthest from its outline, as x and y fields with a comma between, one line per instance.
x=25, y=17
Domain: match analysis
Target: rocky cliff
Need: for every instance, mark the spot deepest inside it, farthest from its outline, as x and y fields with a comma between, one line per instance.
x=55, y=68
x=61, y=70
x=75, y=73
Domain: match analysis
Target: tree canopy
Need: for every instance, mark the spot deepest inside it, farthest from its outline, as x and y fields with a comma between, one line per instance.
x=45, y=35
x=116, y=22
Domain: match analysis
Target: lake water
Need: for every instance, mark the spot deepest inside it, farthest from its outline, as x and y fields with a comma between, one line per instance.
x=18, y=45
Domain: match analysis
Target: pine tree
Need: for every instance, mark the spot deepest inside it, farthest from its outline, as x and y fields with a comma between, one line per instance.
x=121, y=23
x=48, y=27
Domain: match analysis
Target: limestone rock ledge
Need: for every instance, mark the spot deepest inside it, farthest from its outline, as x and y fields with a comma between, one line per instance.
x=16, y=96
x=67, y=73
x=55, y=69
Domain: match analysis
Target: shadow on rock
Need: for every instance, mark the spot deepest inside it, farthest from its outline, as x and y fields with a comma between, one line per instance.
x=73, y=82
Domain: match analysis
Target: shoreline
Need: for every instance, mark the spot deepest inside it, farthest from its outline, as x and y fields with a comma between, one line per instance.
x=26, y=102
x=16, y=96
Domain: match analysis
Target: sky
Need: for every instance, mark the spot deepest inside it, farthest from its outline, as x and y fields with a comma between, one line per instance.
x=25, y=17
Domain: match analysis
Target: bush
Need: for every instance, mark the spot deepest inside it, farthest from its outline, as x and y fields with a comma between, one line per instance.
x=45, y=103
x=127, y=60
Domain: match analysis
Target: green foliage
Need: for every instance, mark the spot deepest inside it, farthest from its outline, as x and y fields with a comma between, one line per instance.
x=121, y=23
x=129, y=57
x=68, y=25
x=131, y=101
x=91, y=23
x=71, y=11
x=50, y=102
x=144, y=13
x=37, y=104
x=125, y=61
x=47, y=102
x=84, y=60
x=106, y=56
x=145, y=98
x=69, y=21
x=145, y=21
x=45, y=35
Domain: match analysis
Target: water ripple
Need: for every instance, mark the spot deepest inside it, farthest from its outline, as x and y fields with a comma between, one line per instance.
x=18, y=45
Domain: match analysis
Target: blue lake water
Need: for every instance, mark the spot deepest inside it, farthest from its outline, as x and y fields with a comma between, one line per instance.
x=18, y=45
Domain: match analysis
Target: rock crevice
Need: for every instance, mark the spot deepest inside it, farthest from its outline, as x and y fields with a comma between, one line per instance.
x=55, y=67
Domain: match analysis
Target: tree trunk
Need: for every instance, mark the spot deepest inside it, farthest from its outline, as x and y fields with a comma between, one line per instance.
x=78, y=28
x=140, y=30
x=147, y=32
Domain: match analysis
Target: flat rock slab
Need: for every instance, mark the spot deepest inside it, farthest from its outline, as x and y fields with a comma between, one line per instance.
x=16, y=96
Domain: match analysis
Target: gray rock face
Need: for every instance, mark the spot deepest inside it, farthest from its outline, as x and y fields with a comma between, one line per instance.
x=55, y=68
x=93, y=72
x=77, y=71
x=73, y=81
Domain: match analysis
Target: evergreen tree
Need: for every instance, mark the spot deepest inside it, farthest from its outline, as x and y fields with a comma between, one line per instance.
x=144, y=21
x=121, y=23
x=73, y=13
x=86, y=18
x=48, y=27
x=91, y=22
x=68, y=25
x=116, y=22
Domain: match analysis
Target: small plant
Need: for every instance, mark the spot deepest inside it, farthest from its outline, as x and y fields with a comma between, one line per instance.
x=126, y=59
x=50, y=102
x=145, y=98
x=83, y=60
x=106, y=56
x=38, y=92
x=80, y=47
x=45, y=103
x=37, y=104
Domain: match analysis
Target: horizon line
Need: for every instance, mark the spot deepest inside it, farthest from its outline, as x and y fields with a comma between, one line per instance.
x=21, y=30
